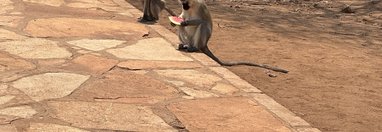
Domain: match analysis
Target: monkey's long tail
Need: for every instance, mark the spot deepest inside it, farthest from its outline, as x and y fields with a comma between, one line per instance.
x=210, y=54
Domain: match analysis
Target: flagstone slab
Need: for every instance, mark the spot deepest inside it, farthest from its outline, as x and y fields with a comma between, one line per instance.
x=10, y=21
x=197, y=93
x=49, y=85
x=6, y=5
x=202, y=80
x=76, y=27
x=55, y=3
x=8, y=35
x=225, y=114
x=35, y=48
x=6, y=98
x=92, y=64
x=126, y=87
x=8, y=128
x=225, y=88
x=112, y=116
x=48, y=127
x=139, y=64
x=8, y=63
x=19, y=111
x=96, y=44
x=150, y=49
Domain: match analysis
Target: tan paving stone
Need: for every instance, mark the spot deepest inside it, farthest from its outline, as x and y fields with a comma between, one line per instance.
x=19, y=111
x=8, y=63
x=6, y=5
x=95, y=4
x=8, y=128
x=49, y=85
x=96, y=44
x=225, y=88
x=75, y=27
x=6, y=98
x=126, y=87
x=112, y=116
x=35, y=48
x=203, y=80
x=197, y=93
x=204, y=59
x=51, y=62
x=308, y=130
x=243, y=85
x=150, y=49
x=7, y=119
x=224, y=72
x=56, y=3
x=10, y=21
x=92, y=64
x=280, y=110
x=8, y=35
x=225, y=114
x=47, y=127
x=139, y=64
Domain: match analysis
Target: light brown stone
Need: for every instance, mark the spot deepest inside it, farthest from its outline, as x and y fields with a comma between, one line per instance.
x=6, y=5
x=8, y=128
x=8, y=35
x=6, y=98
x=150, y=49
x=49, y=85
x=10, y=67
x=7, y=119
x=167, y=34
x=243, y=85
x=75, y=27
x=126, y=87
x=96, y=44
x=308, y=130
x=224, y=72
x=56, y=3
x=226, y=114
x=19, y=111
x=225, y=88
x=202, y=80
x=204, y=59
x=112, y=116
x=50, y=62
x=280, y=110
x=10, y=21
x=92, y=64
x=139, y=64
x=47, y=127
x=35, y=48
x=197, y=93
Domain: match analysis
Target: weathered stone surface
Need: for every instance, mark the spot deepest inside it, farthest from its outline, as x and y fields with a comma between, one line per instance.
x=6, y=98
x=280, y=110
x=19, y=111
x=49, y=85
x=225, y=114
x=10, y=21
x=47, y=127
x=96, y=44
x=8, y=63
x=308, y=130
x=203, y=80
x=6, y=5
x=243, y=85
x=225, y=88
x=56, y=3
x=139, y=64
x=224, y=72
x=3, y=88
x=126, y=87
x=50, y=62
x=8, y=128
x=8, y=35
x=92, y=64
x=204, y=59
x=35, y=48
x=113, y=116
x=75, y=27
x=7, y=119
x=96, y=4
x=150, y=49
x=197, y=93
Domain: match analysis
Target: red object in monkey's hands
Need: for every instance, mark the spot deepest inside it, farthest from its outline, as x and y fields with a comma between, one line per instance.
x=176, y=20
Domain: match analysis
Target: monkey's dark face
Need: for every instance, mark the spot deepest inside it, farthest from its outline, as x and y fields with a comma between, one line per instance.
x=185, y=4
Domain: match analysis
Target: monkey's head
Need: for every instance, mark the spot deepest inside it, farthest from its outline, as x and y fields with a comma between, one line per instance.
x=187, y=4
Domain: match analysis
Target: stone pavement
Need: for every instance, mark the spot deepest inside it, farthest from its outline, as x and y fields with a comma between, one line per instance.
x=87, y=65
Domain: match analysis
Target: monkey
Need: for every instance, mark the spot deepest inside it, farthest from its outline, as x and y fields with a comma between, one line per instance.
x=195, y=31
x=152, y=8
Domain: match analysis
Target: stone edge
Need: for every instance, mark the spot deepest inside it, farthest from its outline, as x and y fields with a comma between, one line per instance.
x=295, y=122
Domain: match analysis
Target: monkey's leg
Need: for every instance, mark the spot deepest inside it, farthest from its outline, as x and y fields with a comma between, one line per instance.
x=183, y=37
x=200, y=38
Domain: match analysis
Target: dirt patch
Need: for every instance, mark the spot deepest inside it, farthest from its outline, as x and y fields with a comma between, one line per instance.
x=334, y=58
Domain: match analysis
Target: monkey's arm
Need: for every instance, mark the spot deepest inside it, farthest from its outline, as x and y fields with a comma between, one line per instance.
x=193, y=22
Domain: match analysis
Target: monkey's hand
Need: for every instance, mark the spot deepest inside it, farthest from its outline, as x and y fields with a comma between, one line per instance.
x=184, y=23
x=172, y=24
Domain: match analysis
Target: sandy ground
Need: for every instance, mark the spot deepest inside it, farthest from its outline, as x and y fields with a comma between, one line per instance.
x=334, y=58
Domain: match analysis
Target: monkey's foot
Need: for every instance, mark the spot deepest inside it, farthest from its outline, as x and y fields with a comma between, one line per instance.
x=146, y=20
x=183, y=46
x=192, y=49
